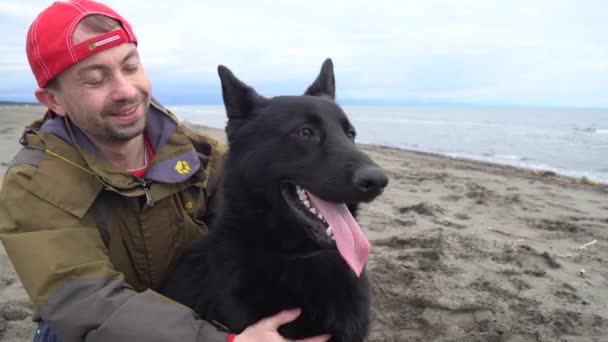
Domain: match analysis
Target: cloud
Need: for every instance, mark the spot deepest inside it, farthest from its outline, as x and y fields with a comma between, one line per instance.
x=19, y=10
x=511, y=51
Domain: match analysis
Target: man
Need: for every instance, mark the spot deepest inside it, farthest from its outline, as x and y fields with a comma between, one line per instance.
x=108, y=189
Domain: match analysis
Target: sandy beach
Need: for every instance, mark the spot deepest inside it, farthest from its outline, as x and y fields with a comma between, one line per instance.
x=462, y=251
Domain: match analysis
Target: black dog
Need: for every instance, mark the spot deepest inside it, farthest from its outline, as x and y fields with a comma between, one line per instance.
x=284, y=236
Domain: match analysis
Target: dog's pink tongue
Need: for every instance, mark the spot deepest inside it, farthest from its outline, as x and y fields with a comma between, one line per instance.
x=352, y=244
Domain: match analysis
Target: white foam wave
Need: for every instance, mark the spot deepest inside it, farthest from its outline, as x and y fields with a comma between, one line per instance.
x=509, y=157
x=527, y=163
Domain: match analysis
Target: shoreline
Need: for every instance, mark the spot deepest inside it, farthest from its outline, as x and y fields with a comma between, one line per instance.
x=531, y=172
x=218, y=133
x=468, y=162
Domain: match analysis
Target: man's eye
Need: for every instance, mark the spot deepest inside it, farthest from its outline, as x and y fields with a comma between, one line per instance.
x=94, y=82
x=131, y=68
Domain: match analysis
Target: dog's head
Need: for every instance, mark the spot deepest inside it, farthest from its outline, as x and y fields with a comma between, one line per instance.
x=300, y=151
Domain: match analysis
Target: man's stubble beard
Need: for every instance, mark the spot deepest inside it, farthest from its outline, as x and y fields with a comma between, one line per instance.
x=113, y=134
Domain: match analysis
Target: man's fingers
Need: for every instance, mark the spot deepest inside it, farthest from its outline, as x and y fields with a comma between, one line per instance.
x=322, y=338
x=273, y=323
x=283, y=317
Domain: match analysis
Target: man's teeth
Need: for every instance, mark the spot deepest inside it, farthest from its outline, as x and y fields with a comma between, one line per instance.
x=130, y=111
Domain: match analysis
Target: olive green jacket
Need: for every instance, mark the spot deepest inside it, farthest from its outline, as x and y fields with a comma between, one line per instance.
x=90, y=242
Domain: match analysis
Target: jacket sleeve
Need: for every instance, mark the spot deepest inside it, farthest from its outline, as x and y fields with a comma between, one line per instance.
x=67, y=273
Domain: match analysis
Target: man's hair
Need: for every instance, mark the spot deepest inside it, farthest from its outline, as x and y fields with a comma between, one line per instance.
x=99, y=23
x=94, y=23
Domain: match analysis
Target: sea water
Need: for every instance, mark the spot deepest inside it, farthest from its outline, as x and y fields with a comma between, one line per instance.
x=572, y=142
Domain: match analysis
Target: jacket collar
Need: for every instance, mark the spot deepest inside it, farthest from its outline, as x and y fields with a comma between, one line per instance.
x=175, y=159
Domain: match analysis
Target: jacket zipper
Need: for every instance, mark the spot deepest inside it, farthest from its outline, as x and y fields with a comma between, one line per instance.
x=146, y=186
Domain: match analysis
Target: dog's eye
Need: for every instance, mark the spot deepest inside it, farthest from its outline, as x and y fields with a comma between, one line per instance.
x=351, y=134
x=306, y=133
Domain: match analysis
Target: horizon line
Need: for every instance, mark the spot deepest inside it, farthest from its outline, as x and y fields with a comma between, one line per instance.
x=358, y=102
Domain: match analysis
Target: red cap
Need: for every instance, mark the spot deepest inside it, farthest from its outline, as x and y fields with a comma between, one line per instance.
x=50, y=49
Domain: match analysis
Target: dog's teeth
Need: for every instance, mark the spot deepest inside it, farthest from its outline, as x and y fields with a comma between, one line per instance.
x=306, y=203
x=320, y=217
x=329, y=232
x=302, y=196
x=313, y=210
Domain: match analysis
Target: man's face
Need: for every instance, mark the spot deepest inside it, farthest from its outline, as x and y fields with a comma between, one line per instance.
x=107, y=94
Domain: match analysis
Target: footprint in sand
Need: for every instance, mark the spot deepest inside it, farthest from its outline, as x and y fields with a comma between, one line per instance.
x=461, y=216
x=569, y=296
x=451, y=198
x=14, y=311
x=423, y=208
x=403, y=223
x=554, y=225
x=434, y=211
x=421, y=253
x=449, y=224
x=526, y=260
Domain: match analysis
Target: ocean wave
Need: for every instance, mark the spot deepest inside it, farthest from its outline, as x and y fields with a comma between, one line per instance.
x=600, y=175
x=510, y=157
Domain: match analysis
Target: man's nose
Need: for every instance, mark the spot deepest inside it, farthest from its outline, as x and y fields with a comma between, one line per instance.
x=123, y=88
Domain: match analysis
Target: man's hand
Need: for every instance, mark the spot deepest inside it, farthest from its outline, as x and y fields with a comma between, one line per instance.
x=266, y=329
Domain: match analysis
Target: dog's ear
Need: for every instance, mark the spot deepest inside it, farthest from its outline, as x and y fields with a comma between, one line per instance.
x=325, y=84
x=239, y=98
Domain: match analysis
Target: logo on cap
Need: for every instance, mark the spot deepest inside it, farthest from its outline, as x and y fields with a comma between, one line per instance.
x=94, y=45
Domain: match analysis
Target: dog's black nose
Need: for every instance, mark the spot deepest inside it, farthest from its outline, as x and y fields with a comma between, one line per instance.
x=370, y=180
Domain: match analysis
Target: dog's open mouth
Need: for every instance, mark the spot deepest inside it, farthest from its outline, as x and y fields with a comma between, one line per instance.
x=329, y=222
x=303, y=208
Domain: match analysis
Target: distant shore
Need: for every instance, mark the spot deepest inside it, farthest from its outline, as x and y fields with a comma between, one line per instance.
x=17, y=103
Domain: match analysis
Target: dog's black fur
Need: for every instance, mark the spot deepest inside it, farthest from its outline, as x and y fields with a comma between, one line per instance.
x=261, y=255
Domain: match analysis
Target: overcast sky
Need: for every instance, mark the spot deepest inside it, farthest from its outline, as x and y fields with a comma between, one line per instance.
x=481, y=52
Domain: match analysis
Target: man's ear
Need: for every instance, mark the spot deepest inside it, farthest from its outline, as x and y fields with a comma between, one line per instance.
x=51, y=100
